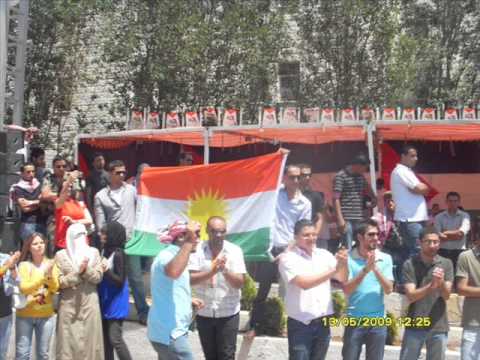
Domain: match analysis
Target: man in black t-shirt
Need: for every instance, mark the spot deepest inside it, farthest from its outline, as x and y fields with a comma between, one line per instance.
x=317, y=199
x=97, y=180
x=26, y=194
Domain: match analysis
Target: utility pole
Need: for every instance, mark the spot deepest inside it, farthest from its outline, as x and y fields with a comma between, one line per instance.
x=13, y=39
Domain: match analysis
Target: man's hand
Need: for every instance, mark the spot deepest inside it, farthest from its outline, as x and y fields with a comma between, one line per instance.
x=197, y=304
x=342, y=226
x=219, y=263
x=437, y=278
x=342, y=258
x=370, y=261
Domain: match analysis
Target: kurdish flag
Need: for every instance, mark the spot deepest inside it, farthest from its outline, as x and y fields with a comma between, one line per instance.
x=244, y=192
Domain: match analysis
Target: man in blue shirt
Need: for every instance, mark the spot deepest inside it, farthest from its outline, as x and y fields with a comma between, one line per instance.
x=370, y=276
x=171, y=312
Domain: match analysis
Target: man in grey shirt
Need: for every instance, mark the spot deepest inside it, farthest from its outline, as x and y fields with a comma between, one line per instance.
x=453, y=226
x=468, y=285
x=117, y=202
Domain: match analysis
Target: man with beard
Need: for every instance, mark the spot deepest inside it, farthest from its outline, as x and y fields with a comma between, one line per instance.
x=370, y=276
x=217, y=272
x=428, y=282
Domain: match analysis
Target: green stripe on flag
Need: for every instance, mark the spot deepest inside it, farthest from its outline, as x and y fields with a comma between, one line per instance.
x=253, y=243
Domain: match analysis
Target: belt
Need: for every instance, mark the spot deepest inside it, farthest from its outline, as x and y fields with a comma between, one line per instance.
x=319, y=320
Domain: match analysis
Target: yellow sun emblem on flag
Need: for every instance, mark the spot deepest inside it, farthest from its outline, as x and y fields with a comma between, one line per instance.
x=203, y=205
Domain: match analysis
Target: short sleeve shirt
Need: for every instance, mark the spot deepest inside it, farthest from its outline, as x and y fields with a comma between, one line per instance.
x=351, y=189
x=306, y=305
x=171, y=312
x=468, y=266
x=417, y=272
x=368, y=298
x=220, y=298
x=408, y=205
x=458, y=221
x=317, y=199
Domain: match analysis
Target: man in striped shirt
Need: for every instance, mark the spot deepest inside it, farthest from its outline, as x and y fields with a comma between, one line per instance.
x=350, y=191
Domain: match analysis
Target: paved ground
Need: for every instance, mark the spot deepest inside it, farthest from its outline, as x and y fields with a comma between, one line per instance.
x=262, y=348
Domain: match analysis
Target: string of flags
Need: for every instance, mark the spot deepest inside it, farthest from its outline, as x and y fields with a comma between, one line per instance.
x=290, y=115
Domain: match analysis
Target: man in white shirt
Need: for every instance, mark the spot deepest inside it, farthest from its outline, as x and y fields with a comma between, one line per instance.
x=217, y=273
x=307, y=271
x=409, y=196
x=291, y=207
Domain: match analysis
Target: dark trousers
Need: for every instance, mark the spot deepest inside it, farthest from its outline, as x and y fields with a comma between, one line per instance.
x=266, y=274
x=113, y=339
x=218, y=336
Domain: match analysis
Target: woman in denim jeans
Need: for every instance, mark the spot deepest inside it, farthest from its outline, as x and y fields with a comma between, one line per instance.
x=38, y=283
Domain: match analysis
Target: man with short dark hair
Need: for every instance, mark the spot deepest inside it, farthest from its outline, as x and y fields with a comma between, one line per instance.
x=350, y=189
x=318, y=205
x=26, y=194
x=452, y=226
x=97, y=179
x=468, y=285
x=291, y=207
x=370, y=276
x=117, y=202
x=217, y=273
x=409, y=195
x=307, y=270
x=37, y=157
x=428, y=282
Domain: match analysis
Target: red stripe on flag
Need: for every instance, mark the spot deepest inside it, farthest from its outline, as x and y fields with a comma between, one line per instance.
x=231, y=179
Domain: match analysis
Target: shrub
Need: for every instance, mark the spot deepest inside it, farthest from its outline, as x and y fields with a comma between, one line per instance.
x=339, y=303
x=249, y=293
x=393, y=330
x=275, y=319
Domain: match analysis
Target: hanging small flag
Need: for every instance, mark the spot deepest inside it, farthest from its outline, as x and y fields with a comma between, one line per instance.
x=328, y=115
x=153, y=120
x=192, y=119
x=451, y=114
x=172, y=120
x=289, y=116
x=428, y=114
x=347, y=115
x=469, y=113
x=408, y=114
x=312, y=115
x=210, y=117
x=137, y=120
x=230, y=117
x=389, y=114
x=269, y=116
x=368, y=114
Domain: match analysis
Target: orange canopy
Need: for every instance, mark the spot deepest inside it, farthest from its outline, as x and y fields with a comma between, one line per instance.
x=430, y=132
x=221, y=137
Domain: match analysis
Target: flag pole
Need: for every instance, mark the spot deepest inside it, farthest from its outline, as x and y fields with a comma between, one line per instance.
x=206, y=145
x=371, y=156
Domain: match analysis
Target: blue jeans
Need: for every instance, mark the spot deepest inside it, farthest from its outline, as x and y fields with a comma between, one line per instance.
x=135, y=280
x=5, y=331
x=348, y=237
x=178, y=349
x=27, y=229
x=307, y=342
x=471, y=343
x=374, y=339
x=413, y=340
x=410, y=233
x=24, y=327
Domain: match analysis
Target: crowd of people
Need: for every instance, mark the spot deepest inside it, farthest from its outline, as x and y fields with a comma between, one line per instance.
x=72, y=263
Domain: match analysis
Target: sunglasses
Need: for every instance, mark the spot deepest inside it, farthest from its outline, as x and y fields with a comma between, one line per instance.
x=293, y=177
x=60, y=166
x=372, y=234
x=120, y=172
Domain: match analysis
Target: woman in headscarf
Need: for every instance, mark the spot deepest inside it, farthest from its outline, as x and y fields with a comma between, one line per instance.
x=79, y=328
x=38, y=282
x=113, y=290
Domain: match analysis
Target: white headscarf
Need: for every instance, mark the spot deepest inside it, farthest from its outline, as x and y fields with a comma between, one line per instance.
x=77, y=245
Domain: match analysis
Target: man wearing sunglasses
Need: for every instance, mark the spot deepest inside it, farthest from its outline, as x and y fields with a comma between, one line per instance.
x=117, y=202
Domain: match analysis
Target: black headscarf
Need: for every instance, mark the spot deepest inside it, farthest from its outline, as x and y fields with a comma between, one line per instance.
x=116, y=236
